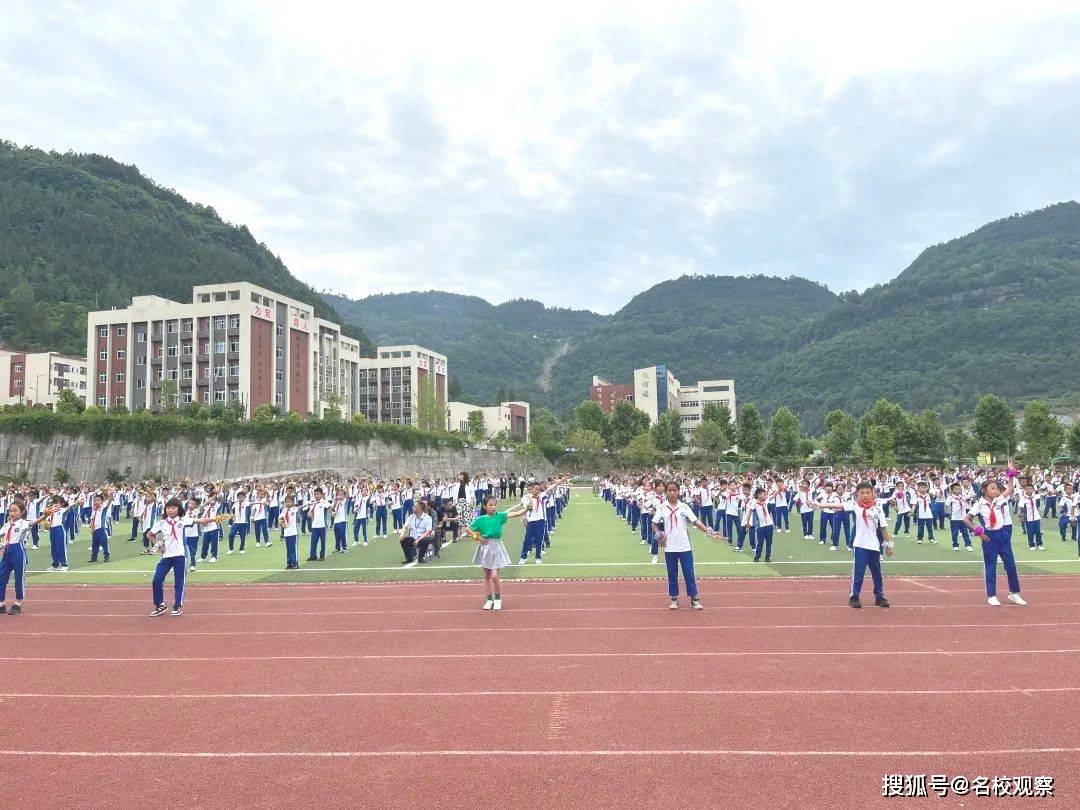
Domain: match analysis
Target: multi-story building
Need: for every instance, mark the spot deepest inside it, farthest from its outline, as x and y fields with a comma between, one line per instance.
x=656, y=390
x=390, y=385
x=36, y=378
x=694, y=398
x=606, y=393
x=513, y=417
x=233, y=343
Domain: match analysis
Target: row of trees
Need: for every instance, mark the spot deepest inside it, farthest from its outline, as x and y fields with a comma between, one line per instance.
x=884, y=435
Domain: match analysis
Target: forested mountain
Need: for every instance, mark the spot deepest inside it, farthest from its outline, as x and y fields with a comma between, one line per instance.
x=79, y=232
x=995, y=311
x=494, y=352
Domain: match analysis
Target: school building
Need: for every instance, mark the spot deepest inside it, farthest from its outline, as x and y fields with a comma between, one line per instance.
x=37, y=378
x=656, y=390
x=240, y=343
x=513, y=417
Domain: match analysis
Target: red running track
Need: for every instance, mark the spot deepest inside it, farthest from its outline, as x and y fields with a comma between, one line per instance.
x=578, y=694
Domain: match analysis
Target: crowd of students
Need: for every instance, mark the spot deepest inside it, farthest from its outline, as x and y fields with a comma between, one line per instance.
x=853, y=507
x=189, y=524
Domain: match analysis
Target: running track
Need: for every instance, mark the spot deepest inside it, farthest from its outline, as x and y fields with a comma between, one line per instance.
x=579, y=694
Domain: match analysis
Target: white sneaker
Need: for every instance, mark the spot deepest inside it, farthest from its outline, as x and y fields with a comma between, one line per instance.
x=918, y=542
x=674, y=604
x=539, y=561
x=821, y=542
x=357, y=542
x=968, y=548
x=229, y=551
x=488, y=605
x=832, y=548
x=1016, y=599
x=993, y=601
x=365, y=544
x=213, y=559
x=655, y=559
x=63, y=568
x=191, y=568
x=241, y=551
x=497, y=604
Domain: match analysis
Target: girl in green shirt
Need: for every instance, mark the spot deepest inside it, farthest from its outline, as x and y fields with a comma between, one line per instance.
x=491, y=554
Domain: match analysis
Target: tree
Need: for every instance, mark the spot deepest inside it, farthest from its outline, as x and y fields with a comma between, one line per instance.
x=750, y=429
x=881, y=443
x=359, y=418
x=430, y=409
x=626, y=423
x=929, y=435
x=169, y=395
x=784, y=434
x=475, y=425
x=545, y=428
x=995, y=425
x=842, y=434
x=667, y=433
x=194, y=410
x=640, y=451
x=118, y=409
x=896, y=419
x=961, y=445
x=262, y=414
x=588, y=415
x=1074, y=440
x=587, y=443
x=1041, y=431
x=709, y=437
x=332, y=407
x=67, y=401
x=529, y=456
x=720, y=414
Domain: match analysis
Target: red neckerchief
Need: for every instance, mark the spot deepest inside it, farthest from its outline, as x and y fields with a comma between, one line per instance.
x=172, y=527
x=993, y=516
x=674, y=516
x=866, y=511
x=11, y=527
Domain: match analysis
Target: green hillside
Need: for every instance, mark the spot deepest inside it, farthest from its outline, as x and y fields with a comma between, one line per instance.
x=494, y=352
x=80, y=232
x=995, y=310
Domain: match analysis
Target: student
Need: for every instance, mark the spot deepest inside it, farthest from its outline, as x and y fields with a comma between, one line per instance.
x=212, y=533
x=1068, y=511
x=871, y=537
x=54, y=519
x=902, y=499
x=827, y=520
x=448, y=525
x=360, y=516
x=490, y=552
x=317, y=515
x=416, y=534
x=535, y=512
x=758, y=518
x=676, y=517
x=655, y=498
x=241, y=519
x=995, y=531
x=167, y=539
x=957, y=507
x=781, y=509
x=100, y=527
x=14, y=558
x=379, y=500
x=340, y=510
x=1029, y=514
x=924, y=513
x=259, y=518
x=290, y=524
x=191, y=532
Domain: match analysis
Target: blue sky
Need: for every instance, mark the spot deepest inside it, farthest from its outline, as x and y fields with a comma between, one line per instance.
x=576, y=152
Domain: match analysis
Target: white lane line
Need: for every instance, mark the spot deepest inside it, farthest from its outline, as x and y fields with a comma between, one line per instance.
x=979, y=605
x=604, y=752
x=925, y=585
x=83, y=572
x=567, y=692
x=753, y=628
x=488, y=656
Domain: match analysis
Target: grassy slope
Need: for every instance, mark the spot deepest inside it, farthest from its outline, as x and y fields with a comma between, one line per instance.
x=590, y=542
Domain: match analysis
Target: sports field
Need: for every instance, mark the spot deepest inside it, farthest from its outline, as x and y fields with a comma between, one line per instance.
x=590, y=542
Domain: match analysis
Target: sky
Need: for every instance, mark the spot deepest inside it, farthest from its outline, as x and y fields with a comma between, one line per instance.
x=572, y=152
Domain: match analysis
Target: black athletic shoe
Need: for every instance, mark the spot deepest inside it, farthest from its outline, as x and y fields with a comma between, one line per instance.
x=312, y=559
x=176, y=611
x=157, y=611
x=15, y=610
x=322, y=557
x=107, y=558
x=854, y=602
x=881, y=601
x=92, y=560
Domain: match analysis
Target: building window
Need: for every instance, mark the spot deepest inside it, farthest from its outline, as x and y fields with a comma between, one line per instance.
x=17, y=368
x=278, y=399
x=187, y=373
x=121, y=354
x=219, y=396
x=234, y=321
x=172, y=373
x=188, y=349
x=279, y=375
x=103, y=354
x=103, y=331
x=219, y=372
x=234, y=369
x=234, y=395
x=140, y=360
x=18, y=384
x=406, y=354
x=234, y=295
x=234, y=346
x=140, y=384
x=204, y=298
x=120, y=376
x=219, y=323
x=140, y=336
x=185, y=397
x=172, y=327
x=188, y=324
x=219, y=296
x=172, y=351
x=205, y=372
x=280, y=330
x=121, y=399
x=103, y=402
x=219, y=347
x=101, y=378
x=206, y=396
x=121, y=331
x=279, y=352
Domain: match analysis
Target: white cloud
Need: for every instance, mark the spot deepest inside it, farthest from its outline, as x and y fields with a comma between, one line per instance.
x=572, y=152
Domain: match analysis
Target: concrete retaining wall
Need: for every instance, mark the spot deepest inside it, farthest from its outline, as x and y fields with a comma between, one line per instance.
x=23, y=457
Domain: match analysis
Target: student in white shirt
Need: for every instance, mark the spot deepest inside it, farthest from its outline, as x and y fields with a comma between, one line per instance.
x=676, y=516
x=995, y=530
x=1067, y=502
x=957, y=507
x=13, y=560
x=100, y=527
x=871, y=538
x=318, y=515
x=289, y=521
x=758, y=521
x=1028, y=508
x=167, y=539
x=340, y=510
x=56, y=512
x=902, y=499
x=924, y=513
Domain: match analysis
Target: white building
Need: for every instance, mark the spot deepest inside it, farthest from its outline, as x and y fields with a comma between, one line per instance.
x=693, y=398
x=36, y=378
x=513, y=417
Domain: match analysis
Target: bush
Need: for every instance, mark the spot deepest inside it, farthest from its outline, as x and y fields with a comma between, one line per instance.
x=61, y=475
